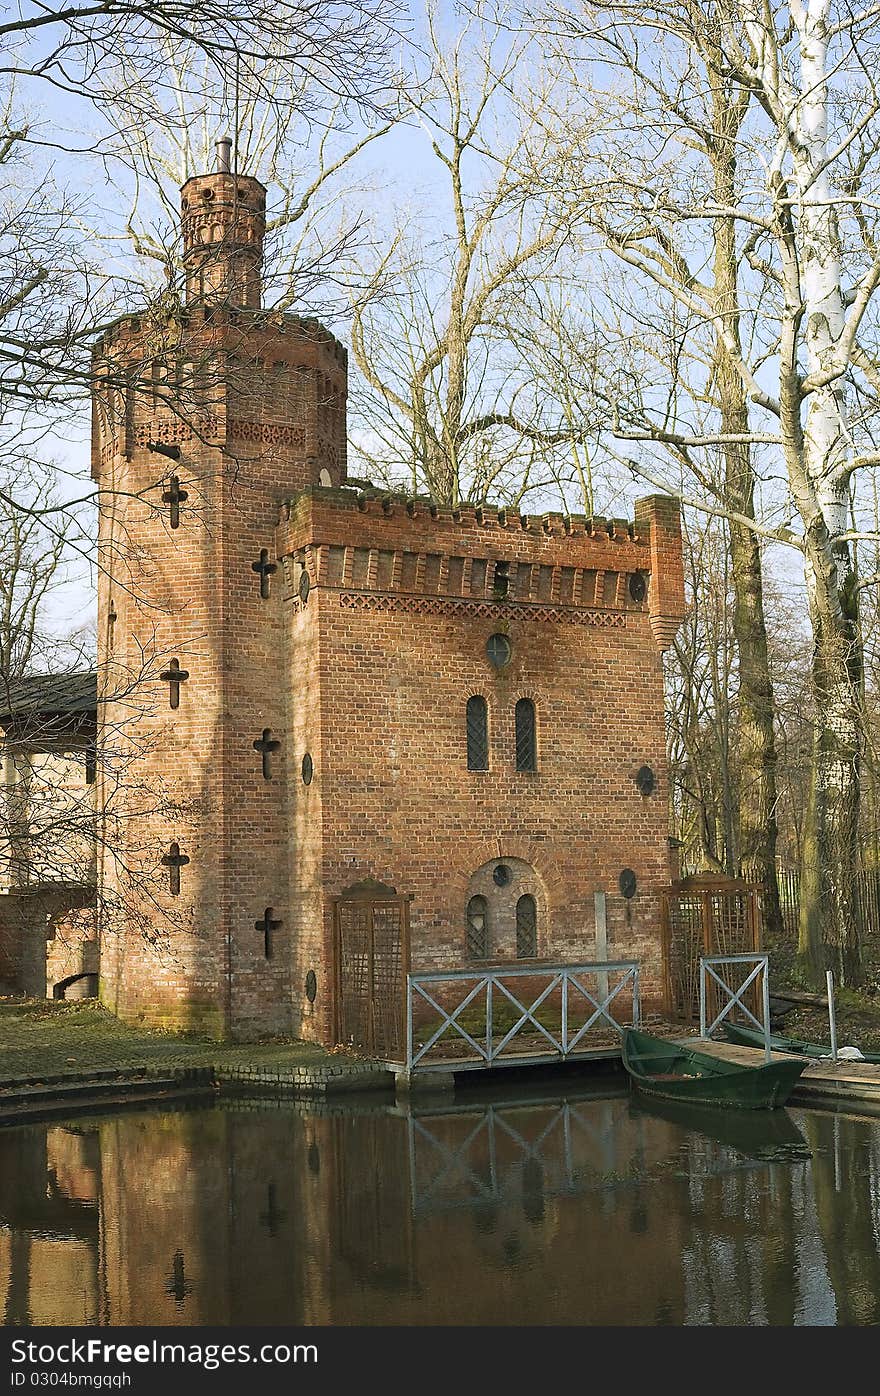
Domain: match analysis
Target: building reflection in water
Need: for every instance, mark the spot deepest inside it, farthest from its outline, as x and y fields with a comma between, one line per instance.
x=50, y=1242
x=568, y=1210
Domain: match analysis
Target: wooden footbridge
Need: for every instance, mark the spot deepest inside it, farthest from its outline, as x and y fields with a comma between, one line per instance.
x=470, y=1020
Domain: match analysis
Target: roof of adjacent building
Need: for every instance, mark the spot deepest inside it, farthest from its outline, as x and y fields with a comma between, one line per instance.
x=50, y=694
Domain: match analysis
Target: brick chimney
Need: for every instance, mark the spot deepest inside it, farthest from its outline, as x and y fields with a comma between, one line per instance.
x=224, y=223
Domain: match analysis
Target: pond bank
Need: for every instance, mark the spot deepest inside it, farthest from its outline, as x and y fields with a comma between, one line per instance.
x=57, y=1056
x=51, y=1094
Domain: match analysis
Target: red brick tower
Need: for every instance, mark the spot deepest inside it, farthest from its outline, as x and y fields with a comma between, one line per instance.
x=325, y=701
x=206, y=417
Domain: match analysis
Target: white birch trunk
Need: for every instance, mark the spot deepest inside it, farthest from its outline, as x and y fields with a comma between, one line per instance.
x=832, y=913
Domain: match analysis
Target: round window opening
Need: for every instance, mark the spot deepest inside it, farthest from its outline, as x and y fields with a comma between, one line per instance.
x=311, y=986
x=645, y=780
x=308, y=769
x=501, y=875
x=627, y=883
x=498, y=650
x=638, y=587
x=304, y=586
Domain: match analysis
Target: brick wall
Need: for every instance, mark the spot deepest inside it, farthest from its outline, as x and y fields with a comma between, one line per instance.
x=392, y=798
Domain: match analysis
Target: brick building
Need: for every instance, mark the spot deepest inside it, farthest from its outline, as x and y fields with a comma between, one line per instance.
x=328, y=710
x=48, y=942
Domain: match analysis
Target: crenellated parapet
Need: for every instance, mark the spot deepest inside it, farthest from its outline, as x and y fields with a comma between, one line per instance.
x=385, y=551
x=246, y=382
x=162, y=325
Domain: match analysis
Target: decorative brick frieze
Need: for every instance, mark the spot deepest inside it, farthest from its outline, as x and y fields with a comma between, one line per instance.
x=268, y=433
x=168, y=430
x=443, y=606
x=171, y=430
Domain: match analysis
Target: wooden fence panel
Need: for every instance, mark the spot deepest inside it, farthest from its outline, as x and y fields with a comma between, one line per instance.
x=705, y=916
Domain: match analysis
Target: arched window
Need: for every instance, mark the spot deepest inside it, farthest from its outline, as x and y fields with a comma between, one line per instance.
x=526, y=745
x=477, y=734
x=526, y=928
x=478, y=929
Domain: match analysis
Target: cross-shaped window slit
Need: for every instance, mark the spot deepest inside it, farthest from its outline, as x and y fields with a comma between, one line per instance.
x=174, y=860
x=175, y=496
x=265, y=569
x=268, y=927
x=174, y=676
x=265, y=745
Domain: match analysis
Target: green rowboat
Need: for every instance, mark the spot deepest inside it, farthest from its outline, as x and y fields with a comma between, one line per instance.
x=674, y=1071
x=750, y=1037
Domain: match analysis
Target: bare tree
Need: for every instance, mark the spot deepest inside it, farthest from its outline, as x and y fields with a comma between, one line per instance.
x=287, y=133
x=701, y=717
x=63, y=279
x=57, y=290
x=801, y=339
x=30, y=569
x=442, y=335
x=688, y=97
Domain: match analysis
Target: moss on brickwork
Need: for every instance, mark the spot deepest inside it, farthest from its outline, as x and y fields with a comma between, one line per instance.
x=192, y=1018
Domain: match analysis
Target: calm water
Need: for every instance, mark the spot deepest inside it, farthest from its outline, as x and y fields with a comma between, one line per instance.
x=527, y=1208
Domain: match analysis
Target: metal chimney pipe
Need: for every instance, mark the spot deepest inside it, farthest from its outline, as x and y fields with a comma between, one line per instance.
x=224, y=149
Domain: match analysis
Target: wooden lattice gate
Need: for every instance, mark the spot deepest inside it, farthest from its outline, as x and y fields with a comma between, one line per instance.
x=372, y=962
x=705, y=916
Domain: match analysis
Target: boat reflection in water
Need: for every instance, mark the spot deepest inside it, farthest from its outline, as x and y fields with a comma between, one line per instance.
x=539, y=1208
x=758, y=1134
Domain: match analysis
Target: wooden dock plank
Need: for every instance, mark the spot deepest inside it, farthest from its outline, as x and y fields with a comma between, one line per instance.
x=826, y=1079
